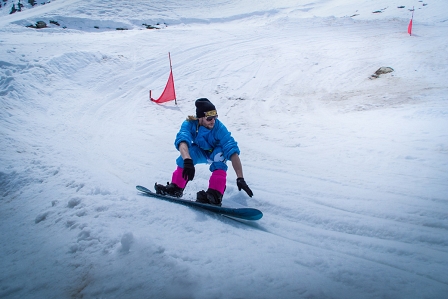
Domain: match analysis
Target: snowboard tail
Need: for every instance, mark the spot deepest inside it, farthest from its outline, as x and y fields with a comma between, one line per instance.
x=241, y=213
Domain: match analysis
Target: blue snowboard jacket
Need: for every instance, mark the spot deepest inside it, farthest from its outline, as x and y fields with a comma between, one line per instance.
x=207, y=140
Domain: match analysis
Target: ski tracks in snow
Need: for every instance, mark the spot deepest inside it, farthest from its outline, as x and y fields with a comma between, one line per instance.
x=349, y=178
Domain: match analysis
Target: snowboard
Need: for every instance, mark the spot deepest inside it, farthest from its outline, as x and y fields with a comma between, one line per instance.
x=240, y=213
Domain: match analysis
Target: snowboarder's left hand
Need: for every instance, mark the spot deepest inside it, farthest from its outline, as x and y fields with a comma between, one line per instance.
x=241, y=183
x=188, y=172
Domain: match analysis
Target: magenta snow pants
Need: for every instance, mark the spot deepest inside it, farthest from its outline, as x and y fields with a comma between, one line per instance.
x=218, y=168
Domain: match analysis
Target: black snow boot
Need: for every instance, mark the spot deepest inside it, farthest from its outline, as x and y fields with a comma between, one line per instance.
x=202, y=197
x=211, y=196
x=170, y=189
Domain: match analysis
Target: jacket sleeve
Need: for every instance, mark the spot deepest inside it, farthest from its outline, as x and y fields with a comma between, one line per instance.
x=228, y=144
x=185, y=134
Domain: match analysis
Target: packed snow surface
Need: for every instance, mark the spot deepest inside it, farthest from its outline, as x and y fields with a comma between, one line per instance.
x=349, y=170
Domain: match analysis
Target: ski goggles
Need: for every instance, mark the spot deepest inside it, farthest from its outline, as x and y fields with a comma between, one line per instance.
x=211, y=115
x=210, y=118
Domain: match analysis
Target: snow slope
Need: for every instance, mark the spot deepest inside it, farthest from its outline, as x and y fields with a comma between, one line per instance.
x=350, y=171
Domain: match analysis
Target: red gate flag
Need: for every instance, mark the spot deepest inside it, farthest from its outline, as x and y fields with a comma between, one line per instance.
x=410, y=23
x=169, y=92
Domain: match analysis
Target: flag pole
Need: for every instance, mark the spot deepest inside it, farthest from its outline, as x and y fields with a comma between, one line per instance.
x=171, y=70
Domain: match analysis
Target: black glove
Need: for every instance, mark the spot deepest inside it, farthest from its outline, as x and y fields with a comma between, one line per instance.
x=241, y=183
x=188, y=172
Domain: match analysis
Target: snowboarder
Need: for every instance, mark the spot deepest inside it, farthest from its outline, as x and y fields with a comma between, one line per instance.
x=205, y=139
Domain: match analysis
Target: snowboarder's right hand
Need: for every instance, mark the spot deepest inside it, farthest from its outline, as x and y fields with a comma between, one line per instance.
x=188, y=172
